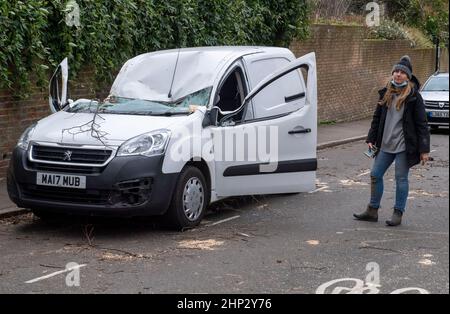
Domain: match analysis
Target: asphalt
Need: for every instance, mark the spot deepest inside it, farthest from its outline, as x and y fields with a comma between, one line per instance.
x=327, y=136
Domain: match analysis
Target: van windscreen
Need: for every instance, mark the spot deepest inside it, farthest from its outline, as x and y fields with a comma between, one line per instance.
x=122, y=105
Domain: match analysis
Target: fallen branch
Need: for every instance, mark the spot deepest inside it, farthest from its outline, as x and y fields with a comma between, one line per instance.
x=51, y=266
x=124, y=252
x=378, y=248
x=88, y=233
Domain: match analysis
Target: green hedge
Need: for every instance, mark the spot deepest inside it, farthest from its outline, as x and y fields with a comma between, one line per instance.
x=34, y=36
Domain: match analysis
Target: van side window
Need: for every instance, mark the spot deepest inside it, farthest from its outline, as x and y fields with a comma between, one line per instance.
x=231, y=93
x=284, y=95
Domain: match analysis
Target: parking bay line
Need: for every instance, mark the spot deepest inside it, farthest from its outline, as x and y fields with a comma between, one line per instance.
x=55, y=273
x=319, y=189
x=222, y=221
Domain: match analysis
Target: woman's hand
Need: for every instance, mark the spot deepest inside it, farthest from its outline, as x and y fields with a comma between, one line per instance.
x=424, y=157
x=370, y=145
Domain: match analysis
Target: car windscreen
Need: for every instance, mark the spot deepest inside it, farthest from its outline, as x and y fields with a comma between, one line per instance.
x=436, y=84
x=121, y=105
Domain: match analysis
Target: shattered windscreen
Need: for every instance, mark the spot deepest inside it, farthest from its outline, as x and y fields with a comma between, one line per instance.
x=123, y=105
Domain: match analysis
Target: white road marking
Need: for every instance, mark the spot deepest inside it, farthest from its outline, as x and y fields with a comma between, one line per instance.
x=55, y=273
x=319, y=189
x=222, y=221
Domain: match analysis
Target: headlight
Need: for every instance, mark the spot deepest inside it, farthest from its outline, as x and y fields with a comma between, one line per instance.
x=24, y=139
x=148, y=144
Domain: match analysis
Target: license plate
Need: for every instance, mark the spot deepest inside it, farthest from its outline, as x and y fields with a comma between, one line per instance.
x=438, y=114
x=61, y=180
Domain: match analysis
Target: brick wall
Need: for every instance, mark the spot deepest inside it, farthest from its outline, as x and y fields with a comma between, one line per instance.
x=17, y=114
x=351, y=69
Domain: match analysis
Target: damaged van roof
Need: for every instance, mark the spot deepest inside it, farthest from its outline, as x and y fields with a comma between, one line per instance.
x=151, y=75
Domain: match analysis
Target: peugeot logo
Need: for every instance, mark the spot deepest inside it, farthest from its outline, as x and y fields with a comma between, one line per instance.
x=441, y=105
x=67, y=155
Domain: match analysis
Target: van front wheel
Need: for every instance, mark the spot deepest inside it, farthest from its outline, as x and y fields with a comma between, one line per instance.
x=190, y=199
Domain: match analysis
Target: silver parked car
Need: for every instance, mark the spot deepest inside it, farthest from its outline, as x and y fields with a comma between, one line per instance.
x=435, y=96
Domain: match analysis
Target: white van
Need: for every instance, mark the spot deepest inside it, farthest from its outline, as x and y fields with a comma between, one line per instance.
x=180, y=129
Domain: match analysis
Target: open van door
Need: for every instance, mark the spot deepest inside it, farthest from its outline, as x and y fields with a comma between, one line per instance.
x=292, y=129
x=58, y=87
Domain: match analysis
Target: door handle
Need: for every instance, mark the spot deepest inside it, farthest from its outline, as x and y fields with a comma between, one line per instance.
x=299, y=130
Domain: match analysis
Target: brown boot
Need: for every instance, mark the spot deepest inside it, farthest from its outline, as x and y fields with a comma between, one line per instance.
x=396, y=218
x=371, y=214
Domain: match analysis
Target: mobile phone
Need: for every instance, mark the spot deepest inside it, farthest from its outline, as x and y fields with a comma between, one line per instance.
x=371, y=152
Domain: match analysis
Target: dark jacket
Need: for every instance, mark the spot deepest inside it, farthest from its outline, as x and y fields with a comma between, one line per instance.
x=415, y=125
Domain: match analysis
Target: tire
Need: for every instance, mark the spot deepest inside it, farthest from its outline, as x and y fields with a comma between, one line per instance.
x=189, y=201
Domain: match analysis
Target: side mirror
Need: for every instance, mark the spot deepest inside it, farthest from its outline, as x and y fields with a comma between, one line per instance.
x=211, y=117
x=58, y=87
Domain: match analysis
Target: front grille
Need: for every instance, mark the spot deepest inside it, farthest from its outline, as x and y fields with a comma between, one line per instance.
x=64, y=168
x=70, y=155
x=436, y=105
x=65, y=195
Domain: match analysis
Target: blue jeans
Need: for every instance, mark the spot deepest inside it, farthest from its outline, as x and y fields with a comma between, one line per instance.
x=382, y=162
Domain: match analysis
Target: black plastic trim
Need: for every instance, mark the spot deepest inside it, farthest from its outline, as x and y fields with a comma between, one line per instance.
x=301, y=165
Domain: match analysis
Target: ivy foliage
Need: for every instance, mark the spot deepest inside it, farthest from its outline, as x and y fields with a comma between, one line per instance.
x=34, y=35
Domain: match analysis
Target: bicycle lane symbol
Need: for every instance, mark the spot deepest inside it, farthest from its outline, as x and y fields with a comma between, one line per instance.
x=371, y=285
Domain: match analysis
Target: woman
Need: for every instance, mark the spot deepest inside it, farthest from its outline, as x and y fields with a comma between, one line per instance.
x=400, y=132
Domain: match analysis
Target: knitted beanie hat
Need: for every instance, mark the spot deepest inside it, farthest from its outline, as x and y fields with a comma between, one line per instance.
x=404, y=65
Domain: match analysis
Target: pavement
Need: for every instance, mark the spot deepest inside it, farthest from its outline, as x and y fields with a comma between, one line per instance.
x=327, y=136
x=342, y=133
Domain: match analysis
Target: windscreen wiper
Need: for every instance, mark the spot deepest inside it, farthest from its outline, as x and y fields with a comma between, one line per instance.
x=141, y=113
x=172, y=113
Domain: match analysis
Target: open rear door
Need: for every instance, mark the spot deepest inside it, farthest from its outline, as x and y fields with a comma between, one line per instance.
x=58, y=87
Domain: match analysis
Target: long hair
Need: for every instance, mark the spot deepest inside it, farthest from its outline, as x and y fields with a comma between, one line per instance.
x=391, y=91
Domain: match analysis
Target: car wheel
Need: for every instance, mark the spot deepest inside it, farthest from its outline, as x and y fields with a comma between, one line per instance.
x=190, y=200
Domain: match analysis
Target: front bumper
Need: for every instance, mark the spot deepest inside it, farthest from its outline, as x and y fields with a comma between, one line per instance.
x=126, y=186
